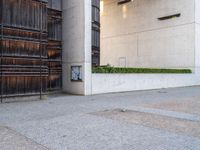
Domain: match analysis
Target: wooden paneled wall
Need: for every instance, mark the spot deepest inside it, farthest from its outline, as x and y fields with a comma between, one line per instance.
x=30, y=48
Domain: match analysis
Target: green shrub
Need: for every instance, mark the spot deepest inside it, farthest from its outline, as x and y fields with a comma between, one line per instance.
x=109, y=69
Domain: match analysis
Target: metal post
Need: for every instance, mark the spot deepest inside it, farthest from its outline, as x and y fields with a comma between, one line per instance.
x=2, y=52
x=41, y=50
x=47, y=75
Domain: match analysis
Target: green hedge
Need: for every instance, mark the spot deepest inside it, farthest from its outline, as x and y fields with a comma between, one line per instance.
x=139, y=70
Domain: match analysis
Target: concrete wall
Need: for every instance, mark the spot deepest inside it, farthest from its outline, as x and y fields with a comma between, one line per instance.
x=132, y=35
x=142, y=40
x=109, y=83
x=77, y=44
x=197, y=34
x=146, y=42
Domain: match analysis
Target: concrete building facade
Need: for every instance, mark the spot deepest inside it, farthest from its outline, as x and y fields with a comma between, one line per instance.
x=134, y=33
x=139, y=33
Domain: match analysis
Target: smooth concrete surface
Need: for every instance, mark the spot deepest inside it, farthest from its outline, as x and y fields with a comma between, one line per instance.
x=77, y=44
x=109, y=83
x=132, y=35
x=68, y=123
x=197, y=33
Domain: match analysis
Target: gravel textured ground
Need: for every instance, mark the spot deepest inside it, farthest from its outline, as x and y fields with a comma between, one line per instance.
x=71, y=123
x=11, y=140
x=187, y=105
x=172, y=124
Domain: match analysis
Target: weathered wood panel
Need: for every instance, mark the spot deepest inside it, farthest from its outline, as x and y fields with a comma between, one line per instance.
x=24, y=64
x=95, y=32
x=30, y=47
x=55, y=49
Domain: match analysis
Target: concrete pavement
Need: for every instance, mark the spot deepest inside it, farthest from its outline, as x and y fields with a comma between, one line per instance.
x=143, y=120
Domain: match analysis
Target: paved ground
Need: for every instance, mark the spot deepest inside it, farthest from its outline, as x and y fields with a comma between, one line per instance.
x=146, y=120
x=10, y=140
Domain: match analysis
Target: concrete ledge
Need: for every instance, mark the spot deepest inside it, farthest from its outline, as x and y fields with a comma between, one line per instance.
x=110, y=83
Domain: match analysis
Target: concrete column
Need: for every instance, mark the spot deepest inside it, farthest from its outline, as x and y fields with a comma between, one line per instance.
x=197, y=35
x=77, y=45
